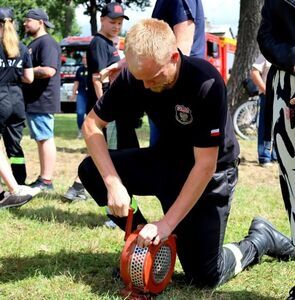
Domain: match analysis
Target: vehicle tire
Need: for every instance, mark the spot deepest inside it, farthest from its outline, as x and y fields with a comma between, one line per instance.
x=245, y=120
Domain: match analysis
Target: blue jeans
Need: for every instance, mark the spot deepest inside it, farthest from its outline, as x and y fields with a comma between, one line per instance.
x=81, y=107
x=154, y=133
x=265, y=155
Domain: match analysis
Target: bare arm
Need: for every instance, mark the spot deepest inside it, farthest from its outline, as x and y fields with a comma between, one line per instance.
x=97, y=84
x=257, y=79
x=113, y=70
x=118, y=197
x=184, y=33
x=74, y=91
x=44, y=72
x=194, y=186
x=28, y=75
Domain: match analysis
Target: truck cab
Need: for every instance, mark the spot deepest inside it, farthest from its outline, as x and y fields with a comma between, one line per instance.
x=72, y=50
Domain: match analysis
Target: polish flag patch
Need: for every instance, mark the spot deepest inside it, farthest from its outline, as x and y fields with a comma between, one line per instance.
x=215, y=132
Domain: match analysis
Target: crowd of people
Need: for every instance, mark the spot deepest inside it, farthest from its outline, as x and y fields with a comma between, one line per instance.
x=191, y=165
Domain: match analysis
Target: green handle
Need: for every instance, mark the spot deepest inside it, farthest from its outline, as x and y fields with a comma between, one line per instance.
x=132, y=205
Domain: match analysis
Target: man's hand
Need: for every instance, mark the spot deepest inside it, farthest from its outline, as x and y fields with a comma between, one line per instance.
x=153, y=233
x=113, y=70
x=73, y=97
x=118, y=200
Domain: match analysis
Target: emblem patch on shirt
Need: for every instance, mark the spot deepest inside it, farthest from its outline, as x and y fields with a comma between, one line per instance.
x=183, y=114
x=215, y=132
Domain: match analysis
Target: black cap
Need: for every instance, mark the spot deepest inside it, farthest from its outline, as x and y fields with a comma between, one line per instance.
x=113, y=10
x=39, y=14
x=6, y=12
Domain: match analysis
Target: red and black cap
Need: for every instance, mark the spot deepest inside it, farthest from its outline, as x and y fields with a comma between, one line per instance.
x=113, y=10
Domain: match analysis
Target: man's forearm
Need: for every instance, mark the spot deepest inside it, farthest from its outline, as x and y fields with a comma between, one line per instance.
x=97, y=84
x=43, y=72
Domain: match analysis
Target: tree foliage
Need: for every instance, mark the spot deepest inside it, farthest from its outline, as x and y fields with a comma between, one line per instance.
x=92, y=7
x=247, y=49
x=64, y=20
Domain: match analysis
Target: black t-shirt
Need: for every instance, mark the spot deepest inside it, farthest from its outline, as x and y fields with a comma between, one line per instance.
x=11, y=69
x=101, y=53
x=43, y=95
x=81, y=77
x=193, y=113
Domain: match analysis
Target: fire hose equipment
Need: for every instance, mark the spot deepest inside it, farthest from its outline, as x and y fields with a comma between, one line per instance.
x=145, y=271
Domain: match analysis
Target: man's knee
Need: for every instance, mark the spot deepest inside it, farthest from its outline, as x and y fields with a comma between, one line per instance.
x=206, y=279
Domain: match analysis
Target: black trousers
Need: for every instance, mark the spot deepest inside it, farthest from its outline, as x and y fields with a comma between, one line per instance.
x=200, y=235
x=12, y=123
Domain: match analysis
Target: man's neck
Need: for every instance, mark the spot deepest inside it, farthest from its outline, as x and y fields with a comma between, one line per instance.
x=39, y=33
x=106, y=35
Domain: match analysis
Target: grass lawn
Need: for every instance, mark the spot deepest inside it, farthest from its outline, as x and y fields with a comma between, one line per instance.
x=51, y=249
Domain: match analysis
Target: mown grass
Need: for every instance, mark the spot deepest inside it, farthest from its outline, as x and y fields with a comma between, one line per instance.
x=52, y=249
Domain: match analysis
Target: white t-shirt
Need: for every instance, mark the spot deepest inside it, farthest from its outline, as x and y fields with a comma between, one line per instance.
x=262, y=65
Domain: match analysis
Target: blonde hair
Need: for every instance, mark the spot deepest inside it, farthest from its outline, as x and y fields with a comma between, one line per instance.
x=151, y=38
x=10, y=39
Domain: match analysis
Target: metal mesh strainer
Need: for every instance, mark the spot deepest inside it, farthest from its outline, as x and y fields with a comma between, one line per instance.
x=148, y=269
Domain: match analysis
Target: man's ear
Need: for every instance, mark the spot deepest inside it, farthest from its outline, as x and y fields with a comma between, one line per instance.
x=175, y=57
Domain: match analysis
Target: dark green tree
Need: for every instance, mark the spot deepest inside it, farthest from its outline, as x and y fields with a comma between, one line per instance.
x=94, y=6
x=247, y=49
x=64, y=21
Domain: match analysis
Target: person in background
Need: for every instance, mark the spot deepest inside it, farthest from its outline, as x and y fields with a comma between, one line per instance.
x=79, y=93
x=101, y=53
x=266, y=152
x=193, y=168
x=276, y=39
x=42, y=97
x=15, y=68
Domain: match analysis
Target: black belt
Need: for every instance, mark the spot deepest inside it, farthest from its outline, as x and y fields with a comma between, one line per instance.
x=225, y=165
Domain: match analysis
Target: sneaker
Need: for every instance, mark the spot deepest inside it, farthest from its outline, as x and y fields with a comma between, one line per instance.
x=14, y=200
x=291, y=294
x=266, y=164
x=73, y=194
x=110, y=224
x=267, y=240
x=80, y=135
x=40, y=186
x=27, y=190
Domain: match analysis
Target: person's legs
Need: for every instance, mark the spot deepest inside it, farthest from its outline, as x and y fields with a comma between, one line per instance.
x=41, y=128
x=6, y=173
x=47, y=155
x=135, y=168
x=264, y=153
x=81, y=107
x=12, y=135
x=200, y=236
x=284, y=132
x=205, y=260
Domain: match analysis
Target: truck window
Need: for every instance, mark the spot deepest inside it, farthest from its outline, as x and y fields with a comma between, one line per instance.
x=212, y=49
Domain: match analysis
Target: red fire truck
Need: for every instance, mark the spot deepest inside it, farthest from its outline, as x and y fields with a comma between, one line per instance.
x=219, y=52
